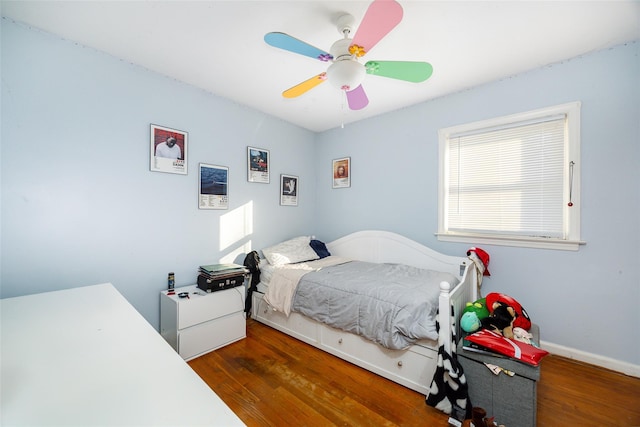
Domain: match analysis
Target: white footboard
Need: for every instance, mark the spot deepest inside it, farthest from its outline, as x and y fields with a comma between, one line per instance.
x=457, y=299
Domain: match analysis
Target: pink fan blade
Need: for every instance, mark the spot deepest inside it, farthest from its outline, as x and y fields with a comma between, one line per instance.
x=381, y=17
x=357, y=99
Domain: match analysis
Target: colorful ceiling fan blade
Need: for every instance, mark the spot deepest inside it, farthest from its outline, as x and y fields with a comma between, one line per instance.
x=381, y=17
x=357, y=98
x=305, y=86
x=292, y=44
x=415, y=72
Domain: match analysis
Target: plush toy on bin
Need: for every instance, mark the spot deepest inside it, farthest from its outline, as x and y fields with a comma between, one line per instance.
x=522, y=319
x=501, y=320
x=472, y=315
x=505, y=314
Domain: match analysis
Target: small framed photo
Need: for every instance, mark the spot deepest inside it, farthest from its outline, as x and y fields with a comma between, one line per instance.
x=342, y=172
x=289, y=190
x=214, y=187
x=168, y=150
x=258, y=165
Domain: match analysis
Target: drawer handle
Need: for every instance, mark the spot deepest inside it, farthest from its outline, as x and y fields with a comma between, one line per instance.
x=400, y=363
x=340, y=341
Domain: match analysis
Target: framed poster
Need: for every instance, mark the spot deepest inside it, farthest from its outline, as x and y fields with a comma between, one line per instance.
x=258, y=165
x=289, y=190
x=342, y=172
x=214, y=187
x=168, y=150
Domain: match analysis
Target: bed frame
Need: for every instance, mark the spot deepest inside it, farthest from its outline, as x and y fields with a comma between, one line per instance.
x=412, y=367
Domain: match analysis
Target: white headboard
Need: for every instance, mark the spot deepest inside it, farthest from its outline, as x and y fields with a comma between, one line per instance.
x=384, y=246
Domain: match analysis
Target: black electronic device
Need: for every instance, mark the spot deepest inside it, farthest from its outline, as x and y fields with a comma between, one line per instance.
x=209, y=284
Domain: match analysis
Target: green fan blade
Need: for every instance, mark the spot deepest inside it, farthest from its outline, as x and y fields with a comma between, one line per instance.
x=415, y=72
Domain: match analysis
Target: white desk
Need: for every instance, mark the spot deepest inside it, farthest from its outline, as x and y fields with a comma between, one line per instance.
x=86, y=357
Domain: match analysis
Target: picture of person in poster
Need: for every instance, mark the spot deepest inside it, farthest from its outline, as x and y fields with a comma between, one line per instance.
x=341, y=173
x=168, y=144
x=258, y=165
x=289, y=190
x=289, y=186
x=168, y=149
x=258, y=160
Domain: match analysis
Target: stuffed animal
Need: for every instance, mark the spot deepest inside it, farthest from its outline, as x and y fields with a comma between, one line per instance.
x=469, y=322
x=522, y=317
x=501, y=319
x=472, y=315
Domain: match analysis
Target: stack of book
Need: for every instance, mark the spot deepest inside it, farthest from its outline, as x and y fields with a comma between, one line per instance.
x=216, y=277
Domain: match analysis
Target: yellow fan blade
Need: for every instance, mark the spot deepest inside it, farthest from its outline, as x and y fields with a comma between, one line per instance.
x=303, y=87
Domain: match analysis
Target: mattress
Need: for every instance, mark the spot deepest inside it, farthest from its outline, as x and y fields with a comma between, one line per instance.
x=391, y=304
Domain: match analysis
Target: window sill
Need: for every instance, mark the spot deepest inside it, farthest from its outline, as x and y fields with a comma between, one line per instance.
x=521, y=242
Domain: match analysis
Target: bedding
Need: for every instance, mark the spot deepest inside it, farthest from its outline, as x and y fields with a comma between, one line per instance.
x=391, y=304
x=284, y=281
x=291, y=251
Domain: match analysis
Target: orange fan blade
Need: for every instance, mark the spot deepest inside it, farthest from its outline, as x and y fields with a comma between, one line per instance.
x=305, y=86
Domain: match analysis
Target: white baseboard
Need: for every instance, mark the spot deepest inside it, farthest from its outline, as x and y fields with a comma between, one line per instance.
x=593, y=359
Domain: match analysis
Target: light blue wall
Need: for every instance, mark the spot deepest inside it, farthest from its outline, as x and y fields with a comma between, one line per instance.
x=586, y=300
x=79, y=203
x=80, y=206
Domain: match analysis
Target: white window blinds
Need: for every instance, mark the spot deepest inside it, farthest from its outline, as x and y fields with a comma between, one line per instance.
x=508, y=180
x=512, y=180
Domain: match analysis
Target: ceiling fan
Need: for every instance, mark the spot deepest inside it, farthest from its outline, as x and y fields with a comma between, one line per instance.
x=346, y=72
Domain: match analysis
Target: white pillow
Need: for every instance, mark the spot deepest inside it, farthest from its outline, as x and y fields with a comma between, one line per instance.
x=290, y=251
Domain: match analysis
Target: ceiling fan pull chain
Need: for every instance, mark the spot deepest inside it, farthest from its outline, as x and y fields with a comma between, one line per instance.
x=342, y=105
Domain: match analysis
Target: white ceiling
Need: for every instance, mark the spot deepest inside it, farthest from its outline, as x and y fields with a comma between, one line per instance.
x=218, y=45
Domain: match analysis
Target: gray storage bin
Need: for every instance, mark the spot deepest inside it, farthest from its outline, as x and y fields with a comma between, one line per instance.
x=511, y=400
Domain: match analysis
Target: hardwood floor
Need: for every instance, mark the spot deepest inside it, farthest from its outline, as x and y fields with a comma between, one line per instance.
x=271, y=379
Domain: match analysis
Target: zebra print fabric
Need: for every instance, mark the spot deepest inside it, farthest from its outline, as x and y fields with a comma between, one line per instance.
x=449, y=390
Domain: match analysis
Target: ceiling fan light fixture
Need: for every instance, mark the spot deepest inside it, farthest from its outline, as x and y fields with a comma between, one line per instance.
x=346, y=75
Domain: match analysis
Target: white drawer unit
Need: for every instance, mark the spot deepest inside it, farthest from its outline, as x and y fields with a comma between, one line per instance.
x=405, y=366
x=295, y=324
x=202, y=322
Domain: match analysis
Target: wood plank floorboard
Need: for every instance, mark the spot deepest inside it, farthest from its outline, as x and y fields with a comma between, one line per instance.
x=271, y=379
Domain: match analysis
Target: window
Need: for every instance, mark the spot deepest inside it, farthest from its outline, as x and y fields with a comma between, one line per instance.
x=513, y=180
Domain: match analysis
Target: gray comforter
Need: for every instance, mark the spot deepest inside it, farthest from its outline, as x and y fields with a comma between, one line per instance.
x=392, y=304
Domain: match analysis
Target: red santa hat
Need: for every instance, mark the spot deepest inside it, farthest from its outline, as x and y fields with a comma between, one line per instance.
x=479, y=256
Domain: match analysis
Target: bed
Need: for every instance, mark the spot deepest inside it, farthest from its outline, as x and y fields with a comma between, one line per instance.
x=413, y=366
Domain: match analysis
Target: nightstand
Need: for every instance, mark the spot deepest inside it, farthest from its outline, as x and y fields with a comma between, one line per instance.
x=202, y=322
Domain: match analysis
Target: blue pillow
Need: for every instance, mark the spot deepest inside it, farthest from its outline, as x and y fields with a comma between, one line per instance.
x=320, y=248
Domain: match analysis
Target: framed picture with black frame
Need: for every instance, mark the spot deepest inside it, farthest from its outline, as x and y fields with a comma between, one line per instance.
x=289, y=187
x=168, y=150
x=258, y=165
